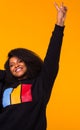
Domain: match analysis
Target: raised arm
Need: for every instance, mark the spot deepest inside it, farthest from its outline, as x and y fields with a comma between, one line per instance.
x=51, y=61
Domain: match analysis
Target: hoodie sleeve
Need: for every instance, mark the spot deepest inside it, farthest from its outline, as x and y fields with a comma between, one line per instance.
x=51, y=60
x=2, y=78
x=2, y=75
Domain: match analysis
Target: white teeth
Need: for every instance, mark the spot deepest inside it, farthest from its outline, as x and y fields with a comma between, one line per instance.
x=18, y=69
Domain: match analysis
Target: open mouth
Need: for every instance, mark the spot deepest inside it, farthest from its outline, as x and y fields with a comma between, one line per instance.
x=18, y=69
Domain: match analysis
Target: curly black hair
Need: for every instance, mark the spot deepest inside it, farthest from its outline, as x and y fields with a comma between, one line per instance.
x=32, y=60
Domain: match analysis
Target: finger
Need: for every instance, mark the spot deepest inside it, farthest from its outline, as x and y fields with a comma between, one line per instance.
x=56, y=6
x=62, y=5
x=63, y=9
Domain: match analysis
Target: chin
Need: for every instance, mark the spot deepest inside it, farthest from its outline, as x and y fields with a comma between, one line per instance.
x=21, y=76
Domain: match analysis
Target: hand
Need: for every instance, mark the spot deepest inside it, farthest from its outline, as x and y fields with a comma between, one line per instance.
x=61, y=14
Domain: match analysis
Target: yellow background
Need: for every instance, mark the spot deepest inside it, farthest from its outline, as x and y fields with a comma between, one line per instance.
x=28, y=23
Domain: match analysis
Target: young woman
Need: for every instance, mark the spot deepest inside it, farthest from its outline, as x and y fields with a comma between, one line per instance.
x=27, y=81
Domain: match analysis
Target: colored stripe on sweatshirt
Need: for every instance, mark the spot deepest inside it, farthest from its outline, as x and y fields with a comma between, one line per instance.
x=22, y=93
x=6, y=97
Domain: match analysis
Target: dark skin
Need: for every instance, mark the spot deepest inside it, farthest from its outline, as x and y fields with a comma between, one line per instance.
x=18, y=67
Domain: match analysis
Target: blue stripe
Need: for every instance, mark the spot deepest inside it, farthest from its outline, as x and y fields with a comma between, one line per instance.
x=6, y=97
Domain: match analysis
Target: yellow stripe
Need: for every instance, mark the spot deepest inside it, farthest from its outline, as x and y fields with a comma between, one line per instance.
x=15, y=95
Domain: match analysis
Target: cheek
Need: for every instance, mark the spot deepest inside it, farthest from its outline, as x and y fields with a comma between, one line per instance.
x=11, y=69
x=25, y=69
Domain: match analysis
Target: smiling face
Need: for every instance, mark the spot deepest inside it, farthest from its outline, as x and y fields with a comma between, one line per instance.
x=18, y=67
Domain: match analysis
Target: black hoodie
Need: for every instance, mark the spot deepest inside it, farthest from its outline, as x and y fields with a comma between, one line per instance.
x=23, y=103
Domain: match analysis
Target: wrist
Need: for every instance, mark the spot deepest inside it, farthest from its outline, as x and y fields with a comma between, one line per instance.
x=60, y=23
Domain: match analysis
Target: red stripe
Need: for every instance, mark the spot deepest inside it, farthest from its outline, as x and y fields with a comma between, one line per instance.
x=26, y=95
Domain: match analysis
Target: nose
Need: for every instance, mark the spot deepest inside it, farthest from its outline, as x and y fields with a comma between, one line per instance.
x=16, y=65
